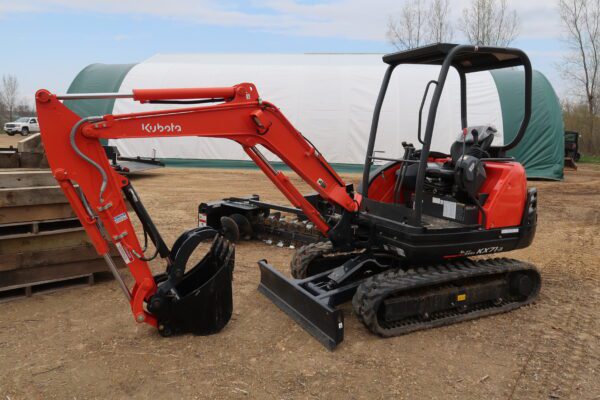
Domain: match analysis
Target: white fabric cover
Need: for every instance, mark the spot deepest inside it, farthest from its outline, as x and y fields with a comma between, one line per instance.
x=328, y=97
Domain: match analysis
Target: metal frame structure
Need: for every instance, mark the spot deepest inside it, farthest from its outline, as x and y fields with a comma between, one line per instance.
x=465, y=59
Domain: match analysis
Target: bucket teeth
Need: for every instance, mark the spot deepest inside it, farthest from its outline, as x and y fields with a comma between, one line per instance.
x=214, y=243
x=228, y=260
x=223, y=250
x=217, y=245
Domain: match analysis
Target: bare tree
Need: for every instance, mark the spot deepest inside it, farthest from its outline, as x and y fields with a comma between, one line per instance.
x=9, y=94
x=440, y=28
x=420, y=22
x=408, y=30
x=24, y=109
x=581, y=19
x=490, y=22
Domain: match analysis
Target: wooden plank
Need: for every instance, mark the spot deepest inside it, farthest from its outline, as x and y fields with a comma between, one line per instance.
x=30, y=196
x=41, y=258
x=43, y=241
x=9, y=160
x=31, y=276
x=31, y=144
x=54, y=285
x=36, y=227
x=29, y=286
x=26, y=178
x=33, y=160
x=10, y=215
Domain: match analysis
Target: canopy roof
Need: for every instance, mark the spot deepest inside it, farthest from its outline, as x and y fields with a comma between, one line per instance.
x=484, y=59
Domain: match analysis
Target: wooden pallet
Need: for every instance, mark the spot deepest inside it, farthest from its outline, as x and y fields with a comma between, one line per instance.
x=27, y=290
x=30, y=242
x=19, y=178
x=35, y=227
x=49, y=257
x=31, y=195
x=24, y=281
x=42, y=243
x=23, y=214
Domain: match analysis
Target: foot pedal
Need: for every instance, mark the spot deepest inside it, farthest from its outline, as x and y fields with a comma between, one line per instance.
x=323, y=322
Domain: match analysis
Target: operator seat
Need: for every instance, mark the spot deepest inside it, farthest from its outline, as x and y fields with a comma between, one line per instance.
x=477, y=142
x=476, y=145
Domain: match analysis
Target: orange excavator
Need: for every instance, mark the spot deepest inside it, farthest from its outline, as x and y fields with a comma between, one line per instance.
x=400, y=246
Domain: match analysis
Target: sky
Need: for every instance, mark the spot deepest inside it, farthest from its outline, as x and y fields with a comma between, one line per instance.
x=47, y=42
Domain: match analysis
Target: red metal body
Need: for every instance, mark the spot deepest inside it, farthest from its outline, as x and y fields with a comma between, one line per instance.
x=505, y=185
x=242, y=117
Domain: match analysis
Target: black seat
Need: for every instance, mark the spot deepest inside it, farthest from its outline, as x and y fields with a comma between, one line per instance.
x=436, y=170
x=478, y=141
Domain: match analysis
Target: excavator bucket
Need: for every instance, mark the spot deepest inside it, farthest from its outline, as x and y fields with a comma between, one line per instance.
x=200, y=302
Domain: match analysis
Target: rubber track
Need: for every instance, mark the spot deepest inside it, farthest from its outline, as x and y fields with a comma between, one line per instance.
x=305, y=255
x=375, y=289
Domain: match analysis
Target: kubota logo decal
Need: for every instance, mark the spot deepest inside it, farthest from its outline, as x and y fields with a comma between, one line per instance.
x=160, y=128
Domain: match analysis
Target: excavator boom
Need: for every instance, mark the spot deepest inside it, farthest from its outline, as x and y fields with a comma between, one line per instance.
x=95, y=190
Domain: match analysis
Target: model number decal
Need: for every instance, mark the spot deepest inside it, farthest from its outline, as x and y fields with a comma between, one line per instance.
x=482, y=251
x=160, y=128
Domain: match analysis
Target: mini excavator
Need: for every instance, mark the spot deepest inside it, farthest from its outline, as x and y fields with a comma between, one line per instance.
x=401, y=246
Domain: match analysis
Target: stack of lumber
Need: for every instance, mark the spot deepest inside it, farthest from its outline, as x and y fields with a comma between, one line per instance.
x=28, y=154
x=41, y=240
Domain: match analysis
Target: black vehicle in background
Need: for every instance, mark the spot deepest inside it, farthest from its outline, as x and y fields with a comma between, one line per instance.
x=572, y=154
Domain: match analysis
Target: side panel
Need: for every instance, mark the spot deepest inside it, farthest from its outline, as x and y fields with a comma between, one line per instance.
x=506, y=186
x=382, y=183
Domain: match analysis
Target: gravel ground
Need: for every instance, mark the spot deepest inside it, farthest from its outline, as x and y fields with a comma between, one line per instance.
x=83, y=342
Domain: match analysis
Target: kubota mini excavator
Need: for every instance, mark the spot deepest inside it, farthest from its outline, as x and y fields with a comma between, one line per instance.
x=399, y=247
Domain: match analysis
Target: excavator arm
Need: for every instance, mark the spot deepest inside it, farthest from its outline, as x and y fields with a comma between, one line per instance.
x=96, y=191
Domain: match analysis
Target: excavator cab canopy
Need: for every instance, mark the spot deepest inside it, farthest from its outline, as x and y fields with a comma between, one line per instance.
x=467, y=59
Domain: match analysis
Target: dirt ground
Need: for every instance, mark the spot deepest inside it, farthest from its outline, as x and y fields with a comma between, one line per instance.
x=83, y=342
x=7, y=141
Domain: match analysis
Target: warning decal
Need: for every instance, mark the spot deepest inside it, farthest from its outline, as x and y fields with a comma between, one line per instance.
x=125, y=254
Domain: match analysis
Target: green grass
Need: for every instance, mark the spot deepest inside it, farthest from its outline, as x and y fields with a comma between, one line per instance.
x=590, y=159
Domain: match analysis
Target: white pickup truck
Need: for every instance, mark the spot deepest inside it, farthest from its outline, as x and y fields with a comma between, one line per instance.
x=23, y=125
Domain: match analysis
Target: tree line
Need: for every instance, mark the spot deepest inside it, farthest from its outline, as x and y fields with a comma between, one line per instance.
x=494, y=23
x=484, y=22
x=12, y=105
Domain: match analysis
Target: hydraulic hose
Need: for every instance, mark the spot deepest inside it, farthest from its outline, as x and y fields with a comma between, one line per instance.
x=86, y=158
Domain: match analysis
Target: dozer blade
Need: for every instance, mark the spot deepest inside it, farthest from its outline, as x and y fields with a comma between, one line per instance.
x=201, y=301
x=322, y=321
